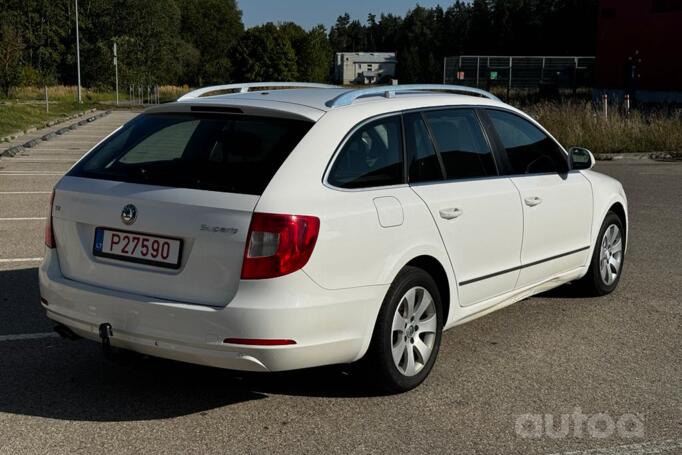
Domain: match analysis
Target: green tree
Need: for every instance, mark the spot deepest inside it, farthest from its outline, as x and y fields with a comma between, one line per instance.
x=339, y=37
x=213, y=28
x=480, y=38
x=419, y=58
x=357, y=34
x=42, y=26
x=11, y=47
x=372, y=32
x=388, y=31
x=316, y=56
x=264, y=53
x=203, y=41
x=456, y=28
x=313, y=53
x=148, y=48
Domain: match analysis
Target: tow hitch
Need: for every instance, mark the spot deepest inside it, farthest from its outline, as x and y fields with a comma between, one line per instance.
x=105, y=333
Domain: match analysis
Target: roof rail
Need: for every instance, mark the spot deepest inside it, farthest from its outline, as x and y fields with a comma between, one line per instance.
x=243, y=88
x=389, y=91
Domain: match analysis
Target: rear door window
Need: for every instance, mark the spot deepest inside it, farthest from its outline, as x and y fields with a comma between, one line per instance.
x=423, y=163
x=371, y=157
x=230, y=153
x=461, y=143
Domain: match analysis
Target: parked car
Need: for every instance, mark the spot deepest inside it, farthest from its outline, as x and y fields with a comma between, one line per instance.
x=292, y=225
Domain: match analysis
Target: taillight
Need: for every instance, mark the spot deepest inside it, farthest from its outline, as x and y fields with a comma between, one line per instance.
x=49, y=232
x=278, y=244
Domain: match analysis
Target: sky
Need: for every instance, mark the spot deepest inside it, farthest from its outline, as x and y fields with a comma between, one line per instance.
x=308, y=13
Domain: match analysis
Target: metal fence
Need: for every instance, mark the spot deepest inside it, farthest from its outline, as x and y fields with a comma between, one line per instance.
x=142, y=94
x=541, y=72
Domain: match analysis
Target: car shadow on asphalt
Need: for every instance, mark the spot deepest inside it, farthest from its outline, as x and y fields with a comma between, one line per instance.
x=565, y=291
x=67, y=380
x=73, y=380
x=20, y=310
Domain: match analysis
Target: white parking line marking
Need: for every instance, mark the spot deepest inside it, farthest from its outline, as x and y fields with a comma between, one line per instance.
x=644, y=448
x=28, y=336
x=6, y=261
x=30, y=218
x=41, y=160
x=31, y=174
x=25, y=192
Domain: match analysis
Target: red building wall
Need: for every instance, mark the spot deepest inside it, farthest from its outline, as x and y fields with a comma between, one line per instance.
x=649, y=32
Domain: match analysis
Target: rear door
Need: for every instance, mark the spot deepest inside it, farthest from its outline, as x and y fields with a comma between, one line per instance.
x=162, y=208
x=477, y=212
x=557, y=203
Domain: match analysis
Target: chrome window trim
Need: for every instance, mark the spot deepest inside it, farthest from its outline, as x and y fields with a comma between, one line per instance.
x=439, y=107
x=542, y=129
x=332, y=160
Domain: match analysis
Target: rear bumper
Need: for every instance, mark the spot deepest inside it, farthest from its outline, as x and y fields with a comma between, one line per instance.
x=329, y=326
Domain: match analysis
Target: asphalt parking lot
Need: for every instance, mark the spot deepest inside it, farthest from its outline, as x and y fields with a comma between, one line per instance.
x=502, y=383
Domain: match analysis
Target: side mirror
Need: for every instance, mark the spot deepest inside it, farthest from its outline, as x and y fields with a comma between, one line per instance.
x=581, y=158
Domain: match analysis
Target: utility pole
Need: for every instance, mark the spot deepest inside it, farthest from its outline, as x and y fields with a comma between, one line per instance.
x=116, y=71
x=78, y=56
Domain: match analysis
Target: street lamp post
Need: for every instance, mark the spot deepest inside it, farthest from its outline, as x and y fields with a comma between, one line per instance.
x=78, y=56
x=116, y=71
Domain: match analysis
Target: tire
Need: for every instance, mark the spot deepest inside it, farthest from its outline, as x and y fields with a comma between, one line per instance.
x=412, y=343
x=608, y=257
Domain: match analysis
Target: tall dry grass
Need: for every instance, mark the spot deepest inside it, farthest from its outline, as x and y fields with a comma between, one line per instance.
x=572, y=121
x=68, y=93
x=65, y=93
x=582, y=123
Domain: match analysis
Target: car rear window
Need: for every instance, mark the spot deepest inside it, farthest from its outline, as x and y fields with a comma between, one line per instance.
x=216, y=152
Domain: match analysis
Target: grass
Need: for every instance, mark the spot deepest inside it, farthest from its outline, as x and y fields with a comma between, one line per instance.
x=583, y=124
x=67, y=93
x=16, y=117
x=25, y=107
x=572, y=120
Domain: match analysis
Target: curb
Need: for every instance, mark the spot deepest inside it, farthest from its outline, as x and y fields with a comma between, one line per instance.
x=621, y=156
x=12, y=151
x=666, y=156
x=656, y=156
x=48, y=124
x=32, y=143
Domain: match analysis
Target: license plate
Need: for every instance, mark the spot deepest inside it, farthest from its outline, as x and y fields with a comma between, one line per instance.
x=136, y=247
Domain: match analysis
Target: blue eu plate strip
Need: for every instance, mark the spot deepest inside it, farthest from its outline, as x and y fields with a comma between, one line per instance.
x=99, y=238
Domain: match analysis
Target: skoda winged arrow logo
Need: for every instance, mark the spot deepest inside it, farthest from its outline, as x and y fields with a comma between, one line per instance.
x=129, y=214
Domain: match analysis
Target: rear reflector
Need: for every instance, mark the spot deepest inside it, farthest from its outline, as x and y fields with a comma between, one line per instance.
x=49, y=232
x=278, y=244
x=43, y=300
x=258, y=341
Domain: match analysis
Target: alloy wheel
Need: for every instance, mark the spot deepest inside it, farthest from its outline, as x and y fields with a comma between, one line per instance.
x=414, y=331
x=611, y=255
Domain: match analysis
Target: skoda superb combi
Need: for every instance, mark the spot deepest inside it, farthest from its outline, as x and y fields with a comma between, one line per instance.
x=290, y=225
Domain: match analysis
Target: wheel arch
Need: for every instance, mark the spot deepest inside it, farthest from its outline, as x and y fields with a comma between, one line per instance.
x=433, y=267
x=619, y=210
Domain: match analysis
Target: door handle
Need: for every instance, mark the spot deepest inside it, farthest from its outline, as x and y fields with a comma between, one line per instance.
x=532, y=201
x=451, y=213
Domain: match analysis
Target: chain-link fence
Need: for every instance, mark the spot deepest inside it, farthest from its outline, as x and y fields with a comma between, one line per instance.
x=543, y=73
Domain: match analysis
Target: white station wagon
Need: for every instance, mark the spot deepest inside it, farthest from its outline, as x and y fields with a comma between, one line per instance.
x=291, y=225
